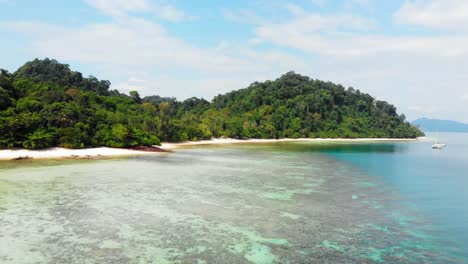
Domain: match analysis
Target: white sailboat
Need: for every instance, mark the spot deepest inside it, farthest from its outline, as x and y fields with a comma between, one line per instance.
x=437, y=144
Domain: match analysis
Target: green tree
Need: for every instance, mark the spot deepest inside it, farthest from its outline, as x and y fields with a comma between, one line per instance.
x=45, y=104
x=136, y=97
x=40, y=139
x=5, y=100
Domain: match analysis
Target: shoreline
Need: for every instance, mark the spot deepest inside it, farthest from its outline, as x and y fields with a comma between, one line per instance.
x=227, y=141
x=63, y=153
x=105, y=152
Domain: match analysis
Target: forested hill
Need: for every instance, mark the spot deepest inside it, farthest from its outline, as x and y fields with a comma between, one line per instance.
x=45, y=104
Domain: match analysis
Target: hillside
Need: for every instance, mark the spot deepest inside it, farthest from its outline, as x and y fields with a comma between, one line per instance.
x=434, y=125
x=45, y=104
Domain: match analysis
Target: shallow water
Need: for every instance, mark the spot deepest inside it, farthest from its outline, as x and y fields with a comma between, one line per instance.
x=284, y=203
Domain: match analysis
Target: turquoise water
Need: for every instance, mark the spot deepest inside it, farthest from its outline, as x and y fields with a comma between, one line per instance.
x=432, y=182
x=271, y=203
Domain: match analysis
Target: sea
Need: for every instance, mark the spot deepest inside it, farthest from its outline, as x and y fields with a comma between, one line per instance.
x=288, y=202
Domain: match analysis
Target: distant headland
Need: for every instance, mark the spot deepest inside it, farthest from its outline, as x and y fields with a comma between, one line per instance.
x=438, y=125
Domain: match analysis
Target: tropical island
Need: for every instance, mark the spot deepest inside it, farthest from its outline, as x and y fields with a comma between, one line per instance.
x=45, y=104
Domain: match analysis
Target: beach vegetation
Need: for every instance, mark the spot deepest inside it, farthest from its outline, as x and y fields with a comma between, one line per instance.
x=46, y=104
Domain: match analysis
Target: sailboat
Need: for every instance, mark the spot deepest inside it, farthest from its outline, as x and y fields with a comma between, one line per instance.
x=438, y=145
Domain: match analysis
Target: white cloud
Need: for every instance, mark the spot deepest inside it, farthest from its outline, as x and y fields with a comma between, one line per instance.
x=344, y=45
x=405, y=70
x=171, y=13
x=441, y=14
x=360, y=4
x=465, y=98
x=130, y=42
x=295, y=9
x=424, y=110
x=33, y=28
x=132, y=50
x=320, y=3
x=413, y=72
x=119, y=8
x=131, y=84
x=317, y=34
x=243, y=16
x=345, y=35
x=255, y=41
x=205, y=87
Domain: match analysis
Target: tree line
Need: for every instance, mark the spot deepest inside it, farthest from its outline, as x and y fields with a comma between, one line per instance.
x=45, y=104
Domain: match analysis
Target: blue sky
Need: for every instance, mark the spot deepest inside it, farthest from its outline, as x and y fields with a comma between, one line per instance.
x=413, y=53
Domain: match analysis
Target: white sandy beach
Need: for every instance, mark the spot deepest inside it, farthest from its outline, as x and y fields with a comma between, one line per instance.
x=221, y=141
x=56, y=153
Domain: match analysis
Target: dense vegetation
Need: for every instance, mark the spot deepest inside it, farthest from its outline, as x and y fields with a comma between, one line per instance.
x=45, y=104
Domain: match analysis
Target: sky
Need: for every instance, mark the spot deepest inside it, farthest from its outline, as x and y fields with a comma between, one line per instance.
x=411, y=53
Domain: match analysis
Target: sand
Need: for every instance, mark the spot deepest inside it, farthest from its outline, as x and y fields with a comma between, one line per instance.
x=220, y=141
x=56, y=153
